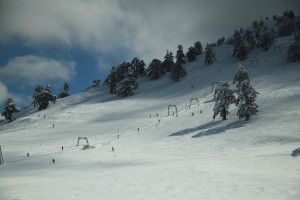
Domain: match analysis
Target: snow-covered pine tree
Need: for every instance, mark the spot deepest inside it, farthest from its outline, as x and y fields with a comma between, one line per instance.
x=240, y=76
x=111, y=81
x=168, y=63
x=294, y=50
x=42, y=96
x=154, y=71
x=209, y=55
x=239, y=49
x=95, y=83
x=65, y=91
x=180, y=57
x=123, y=70
x=10, y=108
x=198, y=47
x=138, y=67
x=246, y=100
x=177, y=72
x=191, y=54
x=128, y=85
x=224, y=97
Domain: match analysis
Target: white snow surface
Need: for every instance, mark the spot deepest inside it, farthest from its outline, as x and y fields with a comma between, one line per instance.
x=185, y=157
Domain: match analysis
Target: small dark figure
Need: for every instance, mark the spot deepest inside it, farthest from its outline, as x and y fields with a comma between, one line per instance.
x=53, y=160
x=62, y=148
x=150, y=115
x=112, y=148
x=27, y=155
x=44, y=116
x=38, y=115
x=53, y=125
x=138, y=129
x=192, y=114
x=159, y=121
x=156, y=115
x=173, y=114
x=118, y=136
x=200, y=111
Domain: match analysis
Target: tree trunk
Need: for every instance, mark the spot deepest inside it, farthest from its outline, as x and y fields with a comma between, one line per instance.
x=224, y=114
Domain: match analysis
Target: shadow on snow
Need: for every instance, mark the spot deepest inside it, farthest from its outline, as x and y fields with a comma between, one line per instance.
x=210, y=128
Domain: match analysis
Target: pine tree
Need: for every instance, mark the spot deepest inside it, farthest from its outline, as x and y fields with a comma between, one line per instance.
x=294, y=50
x=180, y=57
x=209, y=55
x=177, y=72
x=111, y=81
x=128, y=85
x=168, y=63
x=246, y=100
x=42, y=96
x=138, y=67
x=154, y=71
x=198, y=47
x=242, y=52
x=10, y=108
x=220, y=41
x=240, y=76
x=123, y=70
x=95, y=83
x=191, y=54
x=267, y=41
x=249, y=38
x=293, y=53
x=224, y=97
x=65, y=91
x=246, y=94
x=239, y=49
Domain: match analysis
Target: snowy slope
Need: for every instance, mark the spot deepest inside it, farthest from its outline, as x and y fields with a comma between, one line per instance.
x=169, y=157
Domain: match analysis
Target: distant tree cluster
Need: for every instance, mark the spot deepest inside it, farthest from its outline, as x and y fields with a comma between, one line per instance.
x=259, y=36
x=122, y=79
x=286, y=23
x=243, y=41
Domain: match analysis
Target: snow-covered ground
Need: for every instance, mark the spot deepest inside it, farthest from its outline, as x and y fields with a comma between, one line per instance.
x=162, y=157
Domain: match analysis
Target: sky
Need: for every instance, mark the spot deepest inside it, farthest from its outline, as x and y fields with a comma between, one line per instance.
x=50, y=42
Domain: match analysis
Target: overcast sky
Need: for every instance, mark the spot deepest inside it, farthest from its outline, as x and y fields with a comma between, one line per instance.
x=44, y=41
